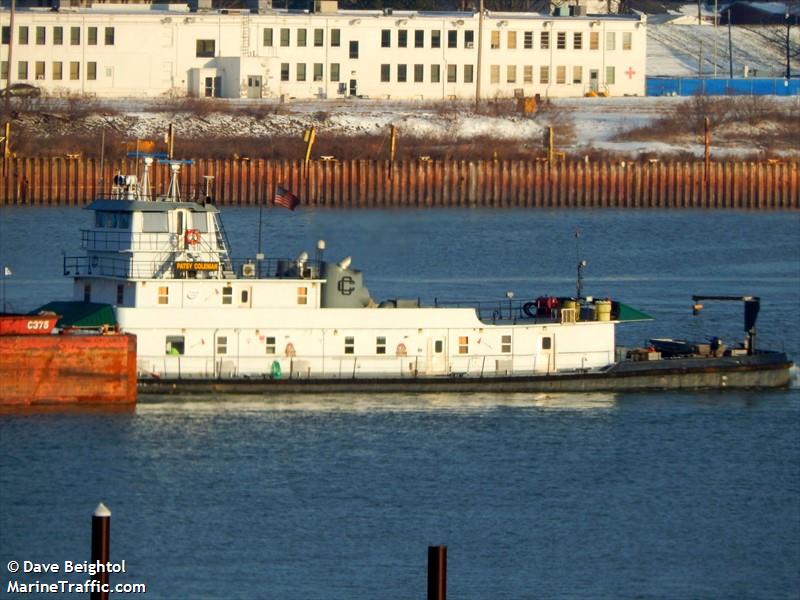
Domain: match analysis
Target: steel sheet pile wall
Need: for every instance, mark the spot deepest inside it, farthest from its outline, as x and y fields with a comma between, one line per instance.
x=360, y=183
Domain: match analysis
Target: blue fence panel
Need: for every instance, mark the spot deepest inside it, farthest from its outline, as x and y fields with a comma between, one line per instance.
x=753, y=86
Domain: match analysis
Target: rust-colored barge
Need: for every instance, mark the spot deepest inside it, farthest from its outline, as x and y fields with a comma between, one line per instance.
x=40, y=367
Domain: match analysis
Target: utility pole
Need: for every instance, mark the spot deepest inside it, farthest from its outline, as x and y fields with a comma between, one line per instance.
x=480, y=53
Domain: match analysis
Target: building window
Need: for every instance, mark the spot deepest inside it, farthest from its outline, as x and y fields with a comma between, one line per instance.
x=87, y=292
x=227, y=294
x=385, y=69
x=577, y=41
x=435, y=74
x=302, y=38
x=511, y=74
x=380, y=345
x=6, y=34
x=544, y=74
x=349, y=345
x=544, y=41
x=39, y=69
x=469, y=39
x=222, y=344
x=527, y=40
x=334, y=71
x=353, y=49
x=120, y=294
x=109, y=36
x=452, y=39
x=561, y=74
x=284, y=71
x=270, y=345
x=419, y=71
x=611, y=40
x=402, y=73
x=627, y=40
x=58, y=71
x=452, y=73
x=22, y=70
x=268, y=36
x=91, y=36
x=577, y=74
x=505, y=344
x=436, y=39
x=205, y=48
x=23, y=35
x=561, y=40
x=611, y=76
x=463, y=344
x=495, y=41
x=494, y=74
x=4, y=69
x=386, y=38
x=175, y=345
x=284, y=37
x=302, y=295
x=547, y=343
x=419, y=38
x=91, y=71
x=402, y=38
x=512, y=40
x=469, y=76
x=527, y=74
x=41, y=36
x=58, y=36
x=75, y=36
x=163, y=294
x=317, y=71
x=319, y=38
x=594, y=40
x=336, y=38
x=300, y=71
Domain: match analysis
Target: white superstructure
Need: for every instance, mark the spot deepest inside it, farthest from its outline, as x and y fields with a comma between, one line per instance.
x=164, y=266
x=167, y=50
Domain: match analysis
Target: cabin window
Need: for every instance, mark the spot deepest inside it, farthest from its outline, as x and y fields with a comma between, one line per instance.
x=124, y=220
x=561, y=40
x=495, y=41
x=349, y=345
x=627, y=40
x=438, y=346
x=154, y=222
x=302, y=38
x=463, y=344
x=336, y=37
x=91, y=36
x=227, y=295
x=544, y=40
x=302, y=295
x=163, y=294
x=547, y=343
x=222, y=344
x=380, y=345
x=505, y=344
x=109, y=36
x=58, y=36
x=270, y=345
x=245, y=296
x=175, y=345
x=87, y=292
x=527, y=40
x=199, y=222
x=594, y=40
x=205, y=48
x=120, y=294
x=268, y=36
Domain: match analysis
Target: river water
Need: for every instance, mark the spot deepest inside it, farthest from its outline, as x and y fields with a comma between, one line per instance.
x=647, y=495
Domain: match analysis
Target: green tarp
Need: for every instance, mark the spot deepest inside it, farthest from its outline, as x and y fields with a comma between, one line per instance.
x=624, y=312
x=80, y=314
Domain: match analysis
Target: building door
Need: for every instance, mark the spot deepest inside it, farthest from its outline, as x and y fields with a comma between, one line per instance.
x=594, y=80
x=437, y=356
x=254, y=86
x=353, y=87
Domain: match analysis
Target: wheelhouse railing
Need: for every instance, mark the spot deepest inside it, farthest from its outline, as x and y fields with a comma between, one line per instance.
x=116, y=241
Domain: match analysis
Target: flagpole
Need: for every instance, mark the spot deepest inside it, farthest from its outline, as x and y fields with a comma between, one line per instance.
x=5, y=270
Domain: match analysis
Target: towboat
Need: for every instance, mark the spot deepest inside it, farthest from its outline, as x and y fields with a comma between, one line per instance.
x=205, y=320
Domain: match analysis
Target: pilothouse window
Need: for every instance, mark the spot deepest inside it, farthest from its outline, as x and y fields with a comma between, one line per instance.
x=154, y=222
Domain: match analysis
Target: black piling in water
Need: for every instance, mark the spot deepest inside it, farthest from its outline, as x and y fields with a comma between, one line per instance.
x=437, y=572
x=101, y=544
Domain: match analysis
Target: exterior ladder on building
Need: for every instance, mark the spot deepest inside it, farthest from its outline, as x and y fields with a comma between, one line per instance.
x=245, y=32
x=223, y=248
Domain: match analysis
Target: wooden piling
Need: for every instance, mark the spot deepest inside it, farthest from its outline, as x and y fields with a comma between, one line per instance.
x=101, y=544
x=437, y=572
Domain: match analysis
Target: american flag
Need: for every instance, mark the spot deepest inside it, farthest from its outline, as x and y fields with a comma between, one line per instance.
x=285, y=198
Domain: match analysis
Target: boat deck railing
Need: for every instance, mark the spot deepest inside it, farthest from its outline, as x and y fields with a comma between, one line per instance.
x=513, y=311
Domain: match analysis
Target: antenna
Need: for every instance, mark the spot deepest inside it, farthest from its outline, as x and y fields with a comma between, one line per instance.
x=581, y=265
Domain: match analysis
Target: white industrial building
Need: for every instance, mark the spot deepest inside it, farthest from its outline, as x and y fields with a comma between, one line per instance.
x=123, y=50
